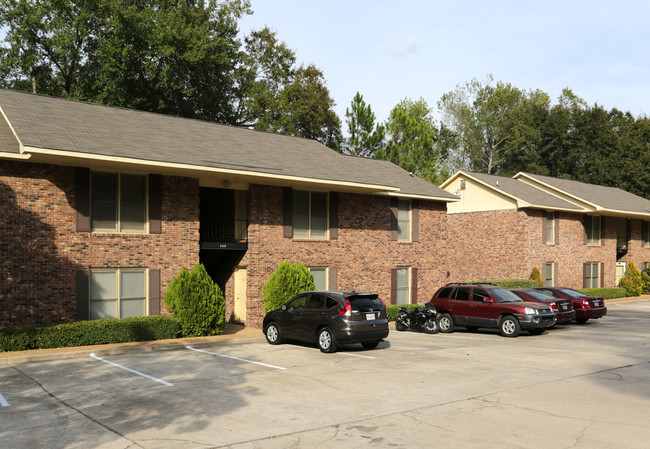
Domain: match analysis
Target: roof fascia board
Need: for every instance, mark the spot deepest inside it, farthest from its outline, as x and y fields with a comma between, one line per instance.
x=451, y=179
x=519, y=201
x=200, y=168
x=13, y=131
x=554, y=191
x=21, y=156
x=413, y=196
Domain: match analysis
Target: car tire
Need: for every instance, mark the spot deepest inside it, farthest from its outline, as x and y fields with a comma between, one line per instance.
x=326, y=340
x=446, y=323
x=509, y=326
x=399, y=325
x=582, y=320
x=272, y=333
x=430, y=326
x=370, y=344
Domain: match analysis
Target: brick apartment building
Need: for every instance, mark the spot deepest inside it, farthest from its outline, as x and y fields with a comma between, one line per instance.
x=579, y=235
x=100, y=208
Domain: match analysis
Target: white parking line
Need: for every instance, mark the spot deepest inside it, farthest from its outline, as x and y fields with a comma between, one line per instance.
x=3, y=402
x=342, y=353
x=132, y=370
x=235, y=358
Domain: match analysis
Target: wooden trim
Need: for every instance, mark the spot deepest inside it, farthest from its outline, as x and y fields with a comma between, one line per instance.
x=155, y=204
x=83, y=294
x=601, y=268
x=393, y=285
x=544, y=223
x=414, y=285
x=287, y=216
x=82, y=187
x=334, y=215
x=393, y=219
x=556, y=225
x=584, y=275
x=602, y=231
x=154, y=292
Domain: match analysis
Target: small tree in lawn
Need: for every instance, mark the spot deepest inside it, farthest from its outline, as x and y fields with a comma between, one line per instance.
x=196, y=302
x=632, y=281
x=285, y=283
x=536, y=275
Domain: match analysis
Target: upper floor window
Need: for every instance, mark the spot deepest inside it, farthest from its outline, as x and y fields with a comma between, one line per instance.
x=403, y=220
x=645, y=231
x=592, y=229
x=309, y=214
x=549, y=228
x=118, y=202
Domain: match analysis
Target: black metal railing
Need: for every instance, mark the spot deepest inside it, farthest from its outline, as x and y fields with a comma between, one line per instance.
x=224, y=231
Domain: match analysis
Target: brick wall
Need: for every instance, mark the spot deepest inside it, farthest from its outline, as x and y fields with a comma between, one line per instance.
x=42, y=251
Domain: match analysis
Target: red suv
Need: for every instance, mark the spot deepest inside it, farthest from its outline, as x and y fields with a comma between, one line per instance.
x=487, y=305
x=586, y=306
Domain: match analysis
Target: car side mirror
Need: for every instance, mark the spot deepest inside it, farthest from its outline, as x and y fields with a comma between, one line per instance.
x=490, y=300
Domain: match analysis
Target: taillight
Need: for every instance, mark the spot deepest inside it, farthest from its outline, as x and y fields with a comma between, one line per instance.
x=585, y=303
x=347, y=310
x=553, y=306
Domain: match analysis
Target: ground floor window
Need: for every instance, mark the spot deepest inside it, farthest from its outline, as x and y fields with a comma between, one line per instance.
x=320, y=277
x=402, y=286
x=592, y=275
x=549, y=274
x=117, y=293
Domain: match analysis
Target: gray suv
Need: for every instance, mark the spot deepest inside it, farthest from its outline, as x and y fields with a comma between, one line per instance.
x=329, y=319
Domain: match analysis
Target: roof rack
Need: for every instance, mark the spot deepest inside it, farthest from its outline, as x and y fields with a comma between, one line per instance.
x=472, y=283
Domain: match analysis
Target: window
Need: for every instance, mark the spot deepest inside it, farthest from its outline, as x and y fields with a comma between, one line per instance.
x=403, y=286
x=592, y=278
x=309, y=210
x=549, y=274
x=462, y=294
x=592, y=229
x=549, y=228
x=117, y=293
x=622, y=237
x=479, y=295
x=320, y=277
x=403, y=220
x=118, y=202
x=645, y=233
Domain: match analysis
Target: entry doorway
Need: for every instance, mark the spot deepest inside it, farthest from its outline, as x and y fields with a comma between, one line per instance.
x=239, y=312
x=620, y=271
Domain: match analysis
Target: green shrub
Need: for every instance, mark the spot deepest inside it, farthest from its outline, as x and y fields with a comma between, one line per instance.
x=536, y=276
x=607, y=293
x=285, y=283
x=632, y=281
x=515, y=283
x=645, y=279
x=84, y=333
x=196, y=302
x=392, y=310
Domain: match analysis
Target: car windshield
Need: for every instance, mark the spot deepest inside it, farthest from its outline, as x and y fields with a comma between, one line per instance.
x=539, y=295
x=503, y=295
x=365, y=302
x=572, y=293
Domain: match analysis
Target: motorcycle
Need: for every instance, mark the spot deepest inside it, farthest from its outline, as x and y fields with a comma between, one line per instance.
x=420, y=318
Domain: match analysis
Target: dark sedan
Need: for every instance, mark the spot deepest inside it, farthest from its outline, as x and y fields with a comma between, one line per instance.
x=563, y=308
x=586, y=307
x=329, y=319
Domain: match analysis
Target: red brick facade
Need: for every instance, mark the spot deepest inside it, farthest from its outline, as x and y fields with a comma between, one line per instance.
x=509, y=244
x=42, y=250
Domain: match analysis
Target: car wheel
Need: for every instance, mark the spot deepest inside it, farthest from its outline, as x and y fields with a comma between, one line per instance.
x=370, y=344
x=399, y=325
x=326, y=340
x=430, y=326
x=509, y=326
x=446, y=323
x=273, y=335
x=582, y=320
x=536, y=331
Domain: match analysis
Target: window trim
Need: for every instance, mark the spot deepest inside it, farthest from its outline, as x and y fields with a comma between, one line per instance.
x=118, y=224
x=117, y=271
x=309, y=215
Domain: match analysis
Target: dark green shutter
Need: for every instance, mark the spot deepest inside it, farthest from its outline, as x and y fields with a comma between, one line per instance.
x=83, y=295
x=82, y=186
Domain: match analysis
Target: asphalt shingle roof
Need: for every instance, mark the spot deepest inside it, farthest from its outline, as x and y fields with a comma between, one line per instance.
x=72, y=126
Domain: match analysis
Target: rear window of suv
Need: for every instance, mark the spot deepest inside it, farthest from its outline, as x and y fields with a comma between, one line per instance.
x=365, y=302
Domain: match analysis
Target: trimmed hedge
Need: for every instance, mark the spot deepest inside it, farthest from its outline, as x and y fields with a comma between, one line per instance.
x=84, y=333
x=607, y=293
x=514, y=283
x=392, y=310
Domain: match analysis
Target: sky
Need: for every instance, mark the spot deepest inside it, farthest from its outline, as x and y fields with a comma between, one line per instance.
x=392, y=50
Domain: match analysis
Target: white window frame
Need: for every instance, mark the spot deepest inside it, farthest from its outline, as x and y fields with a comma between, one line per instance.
x=309, y=230
x=118, y=202
x=325, y=270
x=118, y=299
x=403, y=289
x=404, y=225
x=592, y=281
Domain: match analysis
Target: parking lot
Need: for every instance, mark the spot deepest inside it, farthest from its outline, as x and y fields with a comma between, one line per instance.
x=575, y=386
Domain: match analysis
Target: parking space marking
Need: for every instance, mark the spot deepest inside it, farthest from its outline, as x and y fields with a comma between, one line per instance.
x=235, y=358
x=342, y=353
x=132, y=370
x=3, y=401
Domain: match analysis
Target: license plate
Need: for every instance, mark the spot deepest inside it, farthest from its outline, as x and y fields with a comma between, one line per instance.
x=370, y=316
